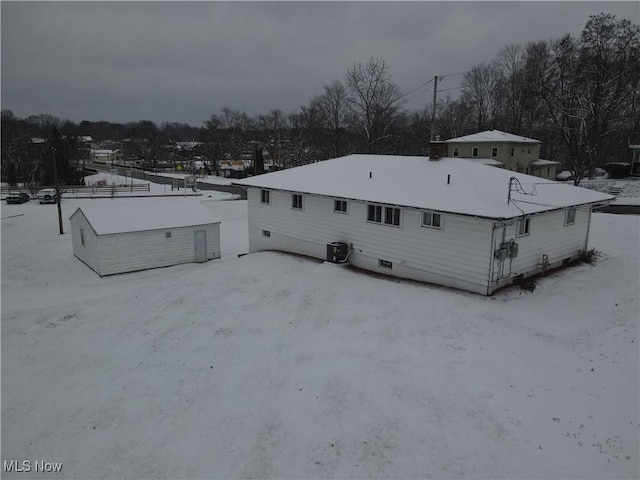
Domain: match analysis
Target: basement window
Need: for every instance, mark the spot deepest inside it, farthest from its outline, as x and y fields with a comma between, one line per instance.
x=385, y=264
x=432, y=220
x=340, y=206
x=167, y=234
x=264, y=196
x=570, y=217
x=523, y=227
x=296, y=201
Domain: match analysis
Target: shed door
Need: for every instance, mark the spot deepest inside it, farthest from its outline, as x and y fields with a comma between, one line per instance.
x=200, y=245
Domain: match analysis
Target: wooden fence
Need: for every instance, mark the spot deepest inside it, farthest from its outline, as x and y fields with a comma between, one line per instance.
x=81, y=190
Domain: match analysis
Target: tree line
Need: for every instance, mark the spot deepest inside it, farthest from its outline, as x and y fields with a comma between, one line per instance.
x=579, y=95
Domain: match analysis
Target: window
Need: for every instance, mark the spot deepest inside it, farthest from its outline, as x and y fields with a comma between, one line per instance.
x=266, y=233
x=385, y=264
x=523, y=227
x=296, y=201
x=264, y=196
x=374, y=213
x=340, y=206
x=570, y=217
x=455, y=151
x=528, y=151
x=513, y=151
x=474, y=152
x=167, y=234
x=82, y=236
x=432, y=220
x=494, y=151
x=391, y=215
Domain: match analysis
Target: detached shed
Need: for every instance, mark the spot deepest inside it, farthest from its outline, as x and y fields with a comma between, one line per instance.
x=126, y=238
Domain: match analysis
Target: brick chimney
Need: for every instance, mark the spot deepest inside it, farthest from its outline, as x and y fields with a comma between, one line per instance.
x=437, y=149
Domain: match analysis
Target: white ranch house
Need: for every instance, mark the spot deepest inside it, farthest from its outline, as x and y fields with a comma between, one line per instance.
x=113, y=239
x=448, y=221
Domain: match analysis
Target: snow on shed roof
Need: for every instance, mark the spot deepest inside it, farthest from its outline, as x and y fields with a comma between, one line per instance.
x=541, y=163
x=485, y=161
x=153, y=215
x=477, y=190
x=493, y=136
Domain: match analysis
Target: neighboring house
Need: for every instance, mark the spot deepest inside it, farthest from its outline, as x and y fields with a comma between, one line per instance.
x=117, y=239
x=107, y=156
x=516, y=153
x=447, y=221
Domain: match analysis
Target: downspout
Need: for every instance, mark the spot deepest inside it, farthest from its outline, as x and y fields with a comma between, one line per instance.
x=491, y=261
x=586, y=242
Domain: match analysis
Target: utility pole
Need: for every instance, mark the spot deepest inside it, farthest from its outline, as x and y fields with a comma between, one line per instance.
x=55, y=179
x=433, y=113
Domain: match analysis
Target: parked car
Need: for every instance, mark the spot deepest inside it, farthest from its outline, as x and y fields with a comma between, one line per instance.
x=47, y=195
x=20, y=197
x=565, y=176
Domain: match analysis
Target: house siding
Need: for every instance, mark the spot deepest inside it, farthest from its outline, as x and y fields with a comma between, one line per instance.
x=87, y=253
x=520, y=159
x=548, y=236
x=459, y=255
x=132, y=251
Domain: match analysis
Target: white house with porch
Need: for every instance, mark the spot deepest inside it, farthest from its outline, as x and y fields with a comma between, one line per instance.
x=445, y=221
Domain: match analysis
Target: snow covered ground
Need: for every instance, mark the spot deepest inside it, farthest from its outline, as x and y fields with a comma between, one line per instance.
x=272, y=365
x=629, y=188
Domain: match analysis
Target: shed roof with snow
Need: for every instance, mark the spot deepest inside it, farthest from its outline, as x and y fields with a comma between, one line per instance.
x=493, y=136
x=113, y=219
x=450, y=185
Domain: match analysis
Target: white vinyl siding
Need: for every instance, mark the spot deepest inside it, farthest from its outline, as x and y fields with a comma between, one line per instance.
x=459, y=256
x=133, y=251
x=549, y=237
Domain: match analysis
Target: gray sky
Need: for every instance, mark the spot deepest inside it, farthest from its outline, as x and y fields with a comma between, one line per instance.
x=184, y=61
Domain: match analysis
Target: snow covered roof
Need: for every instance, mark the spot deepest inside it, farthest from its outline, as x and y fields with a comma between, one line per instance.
x=485, y=161
x=417, y=182
x=543, y=163
x=493, y=136
x=110, y=219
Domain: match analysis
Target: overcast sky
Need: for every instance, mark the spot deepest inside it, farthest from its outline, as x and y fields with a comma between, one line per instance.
x=184, y=61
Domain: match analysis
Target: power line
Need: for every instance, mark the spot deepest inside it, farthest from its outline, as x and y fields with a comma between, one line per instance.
x=416, y=89
x=452, y=74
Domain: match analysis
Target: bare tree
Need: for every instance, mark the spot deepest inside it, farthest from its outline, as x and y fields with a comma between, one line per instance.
x=588, y=87
x=374, y=101
x=479, y=93
x=332, y=106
